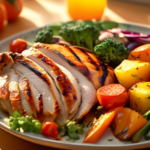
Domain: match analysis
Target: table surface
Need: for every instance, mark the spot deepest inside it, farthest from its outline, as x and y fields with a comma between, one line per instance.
x=37, y=13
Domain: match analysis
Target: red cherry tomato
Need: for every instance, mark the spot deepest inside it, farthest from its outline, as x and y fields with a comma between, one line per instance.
x=50, y=128
x=112, y=95
x=18, y=45
x=3, y=16
x=13, y=8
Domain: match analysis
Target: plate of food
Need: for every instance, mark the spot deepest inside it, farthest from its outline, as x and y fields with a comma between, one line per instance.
x=79, y=84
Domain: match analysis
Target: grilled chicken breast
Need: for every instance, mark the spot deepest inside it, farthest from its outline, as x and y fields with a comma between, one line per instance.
x=64, y=80
x=43, y=83
x=87, y=87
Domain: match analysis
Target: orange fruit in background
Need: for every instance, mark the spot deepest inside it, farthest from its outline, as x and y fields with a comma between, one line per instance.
x=86, y=9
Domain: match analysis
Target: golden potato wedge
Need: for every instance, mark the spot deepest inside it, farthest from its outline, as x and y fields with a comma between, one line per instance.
x=140, y=97
x=130, y=72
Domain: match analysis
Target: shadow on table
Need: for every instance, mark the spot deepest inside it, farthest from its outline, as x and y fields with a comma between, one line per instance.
x=128, y=11
x=19, y=25
x=50, y=11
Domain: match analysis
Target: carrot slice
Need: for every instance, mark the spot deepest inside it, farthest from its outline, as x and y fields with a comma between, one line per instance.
x=98, y=127
x=112, y=95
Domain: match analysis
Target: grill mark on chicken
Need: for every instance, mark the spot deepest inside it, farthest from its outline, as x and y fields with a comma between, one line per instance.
x=64, y=83
x=80, y=66
x=40, y=109
x=15, y=98
x=105, y=73
x=62, y=56
x=26, y=91
x=89, y=58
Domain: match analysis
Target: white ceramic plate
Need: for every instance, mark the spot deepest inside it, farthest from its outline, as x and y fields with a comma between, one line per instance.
x=103, y=142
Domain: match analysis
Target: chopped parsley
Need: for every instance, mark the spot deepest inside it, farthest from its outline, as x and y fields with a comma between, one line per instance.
x=134, y=75
x=110, y=139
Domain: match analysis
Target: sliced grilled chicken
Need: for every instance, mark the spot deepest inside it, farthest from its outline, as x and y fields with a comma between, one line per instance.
x=14, y=97
x=28, y=96
x=5, y=80
x=43, y=83
x=4, y=94
x=94, y=69
x=108, y=75
x=6, y=61
x=64, y=80
x=87, y=88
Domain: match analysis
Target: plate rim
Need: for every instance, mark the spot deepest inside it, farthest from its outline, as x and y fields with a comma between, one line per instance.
x=31, y=138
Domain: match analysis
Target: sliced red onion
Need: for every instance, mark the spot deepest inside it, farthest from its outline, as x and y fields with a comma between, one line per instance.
x=131, y=46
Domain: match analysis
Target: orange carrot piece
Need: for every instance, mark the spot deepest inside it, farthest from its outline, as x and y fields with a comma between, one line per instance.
x=112, y=95
x=98, y=127
x=141, y=53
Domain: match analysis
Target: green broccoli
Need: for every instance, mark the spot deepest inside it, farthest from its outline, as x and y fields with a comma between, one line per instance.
x=45, y=35
x=111, y=52
x=81, y=34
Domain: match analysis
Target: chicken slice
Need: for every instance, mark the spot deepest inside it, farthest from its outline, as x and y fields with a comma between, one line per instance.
x=64, y=80
x=5, y=80
x=6, y=61
x=28, y=96
x=43, y=83
x=14, y=97
x=108, y=75
x=87, y=88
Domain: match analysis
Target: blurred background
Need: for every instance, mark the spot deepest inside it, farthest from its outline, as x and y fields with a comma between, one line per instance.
x=37, y=13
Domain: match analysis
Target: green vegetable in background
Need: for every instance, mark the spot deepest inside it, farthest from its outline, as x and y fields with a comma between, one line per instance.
x=111, y=52
x=105, y=25
x=84, y=34
x=45, y=35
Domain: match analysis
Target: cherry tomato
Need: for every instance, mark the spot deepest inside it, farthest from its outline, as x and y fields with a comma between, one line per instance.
x=3, y=16
x=112, y=95
x=13, y=8
x=18, y=45
x=50, y=128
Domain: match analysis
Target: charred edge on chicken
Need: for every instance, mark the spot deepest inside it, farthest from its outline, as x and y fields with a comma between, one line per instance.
x=90, y=58
x=27, y=93
x=40, y=109
x=105, y=73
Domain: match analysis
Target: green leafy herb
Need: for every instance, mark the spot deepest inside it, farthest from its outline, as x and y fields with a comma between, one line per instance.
x=71, y=129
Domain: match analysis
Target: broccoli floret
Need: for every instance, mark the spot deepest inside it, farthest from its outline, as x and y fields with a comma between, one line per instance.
x=111, y=52
x=45, y=35
x=80, y=34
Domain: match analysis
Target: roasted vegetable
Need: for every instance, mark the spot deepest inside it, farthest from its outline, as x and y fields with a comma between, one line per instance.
x=141, y=53
x=111, y=52
x=126, y=123
x=138, y=136
x=130, y=72
x=98, y=127
x=45, y=35
x=81, y=34
x=112, y=95
x=140, y=97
